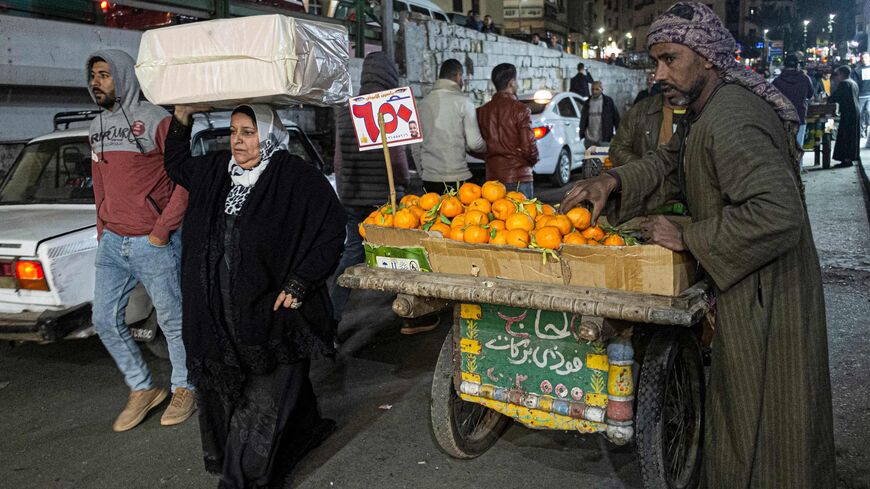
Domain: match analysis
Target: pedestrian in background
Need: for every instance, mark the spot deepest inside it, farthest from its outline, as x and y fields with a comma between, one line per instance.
x=506, y=126
x=861, y=75
x=488, y=25
x=651, y=89
x=848, y=142
x=139, y=212
x=798, y=89
x=599, y=118
x=580, y=82
x=472, y=21
x=361, y=176
x=449, y=121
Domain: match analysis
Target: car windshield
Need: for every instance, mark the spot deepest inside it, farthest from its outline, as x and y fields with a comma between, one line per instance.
x=535, y=107
x=219, y=139
x=51, y=171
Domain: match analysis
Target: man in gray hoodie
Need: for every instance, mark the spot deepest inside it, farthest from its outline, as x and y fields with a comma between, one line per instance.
x=139, y=213
x=449, y=125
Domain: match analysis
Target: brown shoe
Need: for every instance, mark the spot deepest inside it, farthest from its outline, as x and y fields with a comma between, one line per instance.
x=421, y=324
x=138, y=405
x=183, y=404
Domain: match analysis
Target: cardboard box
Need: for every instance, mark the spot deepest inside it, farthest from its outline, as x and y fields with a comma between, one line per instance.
x=449, y=256
x=259, y=59
x=649, y=269
x=397, y=249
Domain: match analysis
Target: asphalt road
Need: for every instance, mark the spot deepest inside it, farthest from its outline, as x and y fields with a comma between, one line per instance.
x=58, y=401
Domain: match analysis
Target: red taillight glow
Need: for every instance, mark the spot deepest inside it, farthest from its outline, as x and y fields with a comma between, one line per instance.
x=30, y=275
x=104, y=5
x=541, y=131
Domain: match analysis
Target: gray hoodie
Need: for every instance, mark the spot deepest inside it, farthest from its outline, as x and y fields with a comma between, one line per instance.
x=133, y=194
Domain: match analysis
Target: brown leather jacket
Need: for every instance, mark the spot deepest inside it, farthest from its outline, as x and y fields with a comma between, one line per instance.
x=506, y=126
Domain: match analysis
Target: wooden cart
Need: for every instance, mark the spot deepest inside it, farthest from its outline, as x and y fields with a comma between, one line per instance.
x=562, y=358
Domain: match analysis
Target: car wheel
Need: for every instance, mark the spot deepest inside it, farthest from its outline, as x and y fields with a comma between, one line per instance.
x=562, y=174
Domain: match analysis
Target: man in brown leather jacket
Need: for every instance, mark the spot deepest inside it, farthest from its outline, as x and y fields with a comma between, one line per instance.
x=506, y=126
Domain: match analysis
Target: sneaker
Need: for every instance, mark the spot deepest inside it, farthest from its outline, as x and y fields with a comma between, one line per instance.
x=181, y=407
x=138, y=405
x=845, y=164
x=420, y=325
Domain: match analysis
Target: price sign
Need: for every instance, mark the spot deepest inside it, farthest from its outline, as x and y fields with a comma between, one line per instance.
x=399, y=109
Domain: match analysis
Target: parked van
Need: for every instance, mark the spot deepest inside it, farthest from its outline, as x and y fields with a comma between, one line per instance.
x=346, y=10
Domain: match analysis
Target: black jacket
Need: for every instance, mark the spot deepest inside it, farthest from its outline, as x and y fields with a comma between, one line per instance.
x=797, y=88
x=292, y=227
x=609, y=119
x=580, y=84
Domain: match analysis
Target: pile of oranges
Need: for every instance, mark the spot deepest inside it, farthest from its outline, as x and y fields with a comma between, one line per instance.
x=488, y=213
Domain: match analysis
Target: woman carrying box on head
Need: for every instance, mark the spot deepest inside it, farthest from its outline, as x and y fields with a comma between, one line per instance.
x=263, y=231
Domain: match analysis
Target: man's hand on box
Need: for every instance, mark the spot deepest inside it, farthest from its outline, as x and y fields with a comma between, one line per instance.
x=662, y=231
x=594, y=190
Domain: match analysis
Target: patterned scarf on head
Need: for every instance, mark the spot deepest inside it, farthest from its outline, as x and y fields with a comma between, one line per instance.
x=273, y=137
x=696, y=26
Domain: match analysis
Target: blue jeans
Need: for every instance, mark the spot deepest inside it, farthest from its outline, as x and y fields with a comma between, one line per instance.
x=527, y=188
x=353, y=254
x=801, y=135
x=122, y=263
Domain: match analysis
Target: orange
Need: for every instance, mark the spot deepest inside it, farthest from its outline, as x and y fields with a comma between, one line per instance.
x=574, y=238
x=469, y=192
x=441, y=228
x=542, y=220
x=458, y=221
x=428, y=201
x=517, y=196
x=476, y=234
x=613, y=240
x=384, y=220
x=593, y=233
x=580, y=217
x=458, y=234
x=548, y=209
x=417, y=210
x=518, y=238
x=481, y=205
x=500, y=237
x=503, y=208
x=531, y=209
x=451, y=206
x=427, y=217
x=476, y=218
x=409, y=200
x=561, y=222
x=405, y=219
x=497, y=225
x=519, y=221
x=362, y=230
x=493, y=190
x=592, y=242
x=548, y=237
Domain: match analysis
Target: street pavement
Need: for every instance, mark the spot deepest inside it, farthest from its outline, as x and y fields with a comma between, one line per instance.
x=58, y=401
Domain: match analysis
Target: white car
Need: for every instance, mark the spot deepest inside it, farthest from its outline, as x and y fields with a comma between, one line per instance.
x=48, y=235
x=556, y=125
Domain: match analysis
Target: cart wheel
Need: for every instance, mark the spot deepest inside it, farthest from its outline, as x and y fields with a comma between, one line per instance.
x=462, y=429
x=670, y=411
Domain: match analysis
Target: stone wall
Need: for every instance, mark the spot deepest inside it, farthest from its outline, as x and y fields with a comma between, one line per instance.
x=428, y=43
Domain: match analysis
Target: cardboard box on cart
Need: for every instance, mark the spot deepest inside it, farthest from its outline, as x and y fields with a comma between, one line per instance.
x=395, y=248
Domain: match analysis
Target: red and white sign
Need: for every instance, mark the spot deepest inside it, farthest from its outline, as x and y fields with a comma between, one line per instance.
x=400, y=118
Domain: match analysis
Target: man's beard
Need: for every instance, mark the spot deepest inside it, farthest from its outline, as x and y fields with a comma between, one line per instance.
x=108, y=100
x=684, y=98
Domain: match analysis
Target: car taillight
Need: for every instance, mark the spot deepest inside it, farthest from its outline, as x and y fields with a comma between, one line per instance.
x=541, y=131
x=30, y=275
x=6, y=269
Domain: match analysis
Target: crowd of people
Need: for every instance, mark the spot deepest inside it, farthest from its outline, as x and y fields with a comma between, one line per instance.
x=243, y=293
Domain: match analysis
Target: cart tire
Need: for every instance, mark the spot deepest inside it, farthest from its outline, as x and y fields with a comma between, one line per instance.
x=461, y=429
x=157, y=345
x=670, y=411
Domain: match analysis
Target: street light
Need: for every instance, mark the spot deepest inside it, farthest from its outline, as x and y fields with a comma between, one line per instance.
x=600, y=42
x=831, y=22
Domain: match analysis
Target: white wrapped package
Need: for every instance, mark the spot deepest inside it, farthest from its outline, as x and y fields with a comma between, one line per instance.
x=260, y=59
